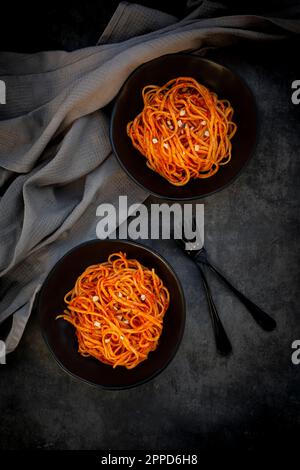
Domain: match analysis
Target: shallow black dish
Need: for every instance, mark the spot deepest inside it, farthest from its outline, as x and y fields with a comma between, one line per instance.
x=217, y=78
x=60, y=336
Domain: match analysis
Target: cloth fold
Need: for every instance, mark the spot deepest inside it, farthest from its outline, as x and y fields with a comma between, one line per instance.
x=56, y=164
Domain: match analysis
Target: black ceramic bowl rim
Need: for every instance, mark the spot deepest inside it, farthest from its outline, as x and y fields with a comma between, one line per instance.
x=136, y=180
x=152, y=252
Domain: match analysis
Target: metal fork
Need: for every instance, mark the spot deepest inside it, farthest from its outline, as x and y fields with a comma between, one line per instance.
x=200, y=257
x=222, y=341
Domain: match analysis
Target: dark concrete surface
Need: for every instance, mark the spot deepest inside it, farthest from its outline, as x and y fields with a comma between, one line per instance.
x=203, y=401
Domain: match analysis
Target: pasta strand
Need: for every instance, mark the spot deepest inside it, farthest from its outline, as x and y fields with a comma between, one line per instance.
x=184, y=130
x=117, y=308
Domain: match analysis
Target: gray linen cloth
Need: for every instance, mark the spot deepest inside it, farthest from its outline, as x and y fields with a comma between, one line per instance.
x=56, y=164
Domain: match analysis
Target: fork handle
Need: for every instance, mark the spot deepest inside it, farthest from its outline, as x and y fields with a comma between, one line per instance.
x=262, y=318
x=222, y=342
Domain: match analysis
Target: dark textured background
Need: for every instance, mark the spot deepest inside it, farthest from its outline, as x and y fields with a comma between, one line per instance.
x=247, y=401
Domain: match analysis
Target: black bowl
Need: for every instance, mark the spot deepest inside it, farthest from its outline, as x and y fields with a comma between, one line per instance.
x=218, y=79
x=60, y=335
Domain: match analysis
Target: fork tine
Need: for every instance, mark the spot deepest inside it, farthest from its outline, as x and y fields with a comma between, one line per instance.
x=191, y=227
